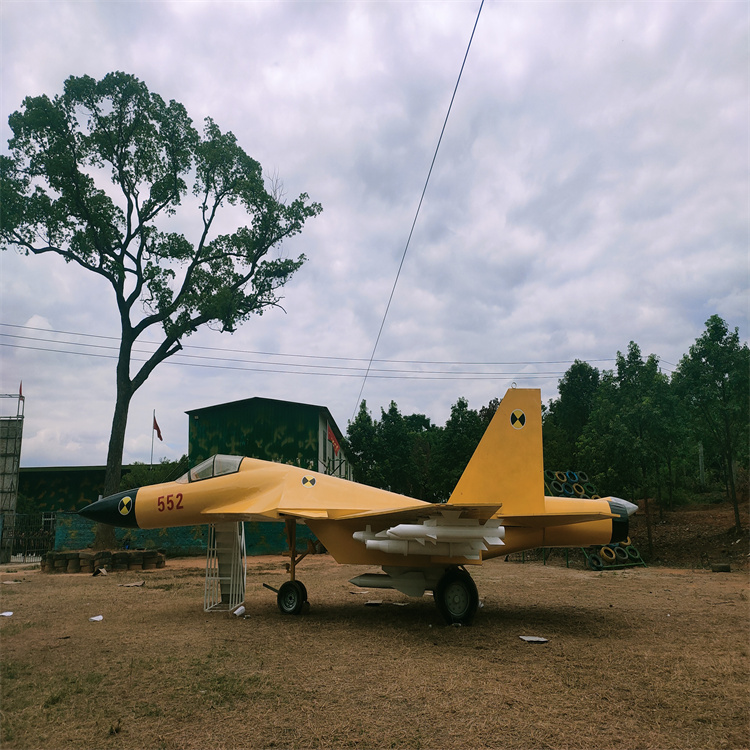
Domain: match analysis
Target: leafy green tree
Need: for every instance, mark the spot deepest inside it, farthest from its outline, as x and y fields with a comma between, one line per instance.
x=628, y=435
x=566, y=417
x=361, y=445
x=424, y=437
x=393, y=446
x=458, y=441
x=396, y=453
x=713, y=379
x=62, y=153
x=605, y=443
x=486, y=413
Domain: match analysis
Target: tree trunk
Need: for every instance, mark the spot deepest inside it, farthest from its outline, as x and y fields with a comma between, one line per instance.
x=649, y=528
x=733, y=493
x=105, y=534
x=729, y=448
x=670, y=483
x=117, y=443
x=660, y=501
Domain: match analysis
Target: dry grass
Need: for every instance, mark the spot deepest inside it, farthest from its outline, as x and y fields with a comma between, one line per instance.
x=642, y=658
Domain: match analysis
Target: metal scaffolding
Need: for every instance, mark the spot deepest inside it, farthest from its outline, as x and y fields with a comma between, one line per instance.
x=11, y=434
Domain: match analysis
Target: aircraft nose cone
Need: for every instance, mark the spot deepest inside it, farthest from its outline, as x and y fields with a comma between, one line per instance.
x=115, y=510
x=629, y=507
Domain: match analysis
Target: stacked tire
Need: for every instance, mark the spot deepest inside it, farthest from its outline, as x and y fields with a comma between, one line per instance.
x=623, y=553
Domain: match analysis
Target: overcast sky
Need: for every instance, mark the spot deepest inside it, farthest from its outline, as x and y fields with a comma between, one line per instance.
x=591, y=189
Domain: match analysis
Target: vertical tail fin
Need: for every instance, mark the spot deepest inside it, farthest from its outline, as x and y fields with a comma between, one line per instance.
x=508, y=465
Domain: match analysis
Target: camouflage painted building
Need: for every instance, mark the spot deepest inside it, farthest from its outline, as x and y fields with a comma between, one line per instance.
x=65, y=488
x=282, y=431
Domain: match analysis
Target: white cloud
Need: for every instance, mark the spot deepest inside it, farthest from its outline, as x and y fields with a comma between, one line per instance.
x=591, y=189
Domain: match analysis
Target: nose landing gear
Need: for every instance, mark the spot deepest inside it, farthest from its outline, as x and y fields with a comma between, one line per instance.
x=291, y=598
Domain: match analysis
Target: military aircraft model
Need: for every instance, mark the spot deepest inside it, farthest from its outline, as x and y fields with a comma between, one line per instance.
x=498, y=507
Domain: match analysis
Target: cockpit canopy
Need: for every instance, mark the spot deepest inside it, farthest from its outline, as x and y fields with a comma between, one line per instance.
x=216, y=466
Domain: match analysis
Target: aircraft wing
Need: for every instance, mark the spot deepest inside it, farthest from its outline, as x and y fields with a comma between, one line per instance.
x=255, y=510
x=425, y=510
x=291, y=492
x=276, y=507
x=242, y=510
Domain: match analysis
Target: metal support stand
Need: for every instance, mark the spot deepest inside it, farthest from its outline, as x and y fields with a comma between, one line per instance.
x=226, y=567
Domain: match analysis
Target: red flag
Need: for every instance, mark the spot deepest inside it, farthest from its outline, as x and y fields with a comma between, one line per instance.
x=332, y=438
x=158, y=431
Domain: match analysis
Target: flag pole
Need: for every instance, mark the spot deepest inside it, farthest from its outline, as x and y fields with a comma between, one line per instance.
x=153, y=422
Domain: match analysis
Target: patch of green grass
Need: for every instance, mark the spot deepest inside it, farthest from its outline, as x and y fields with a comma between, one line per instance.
x=58, y=696
x=147, y=710
x=16, y=628
x=6, y=729
x=11, y=670
x=78, y=684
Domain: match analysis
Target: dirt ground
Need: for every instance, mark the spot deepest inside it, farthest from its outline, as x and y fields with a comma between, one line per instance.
x=695, y=536
x=655, y=657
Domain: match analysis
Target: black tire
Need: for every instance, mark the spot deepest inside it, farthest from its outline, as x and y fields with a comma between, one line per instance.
x=633, y=553
x=291, y=598
x=621, y=554
x=456, y=597
x=304, y=590
x=595, y=562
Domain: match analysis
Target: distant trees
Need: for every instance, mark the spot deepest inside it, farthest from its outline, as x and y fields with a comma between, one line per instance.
x=713, y=381
x=140, y=474
x=642, y=435
x=634, y=430
x=412, y=456
x=565, y=418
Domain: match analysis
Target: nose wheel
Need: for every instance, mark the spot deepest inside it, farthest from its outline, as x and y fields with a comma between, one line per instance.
x=291, y=597
x=456, y=597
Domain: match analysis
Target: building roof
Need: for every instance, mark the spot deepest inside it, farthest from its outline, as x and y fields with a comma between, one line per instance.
x=263, y=400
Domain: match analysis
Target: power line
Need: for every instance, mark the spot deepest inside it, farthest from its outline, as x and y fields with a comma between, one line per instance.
x=307, y=368
x=383, y=374
x=461, y=363
x=416, y=215
x=180, y=356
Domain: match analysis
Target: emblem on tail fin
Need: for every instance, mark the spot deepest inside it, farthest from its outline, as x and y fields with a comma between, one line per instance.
x=517, y=419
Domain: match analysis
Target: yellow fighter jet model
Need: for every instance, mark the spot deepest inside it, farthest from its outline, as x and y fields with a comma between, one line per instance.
x=498, y=507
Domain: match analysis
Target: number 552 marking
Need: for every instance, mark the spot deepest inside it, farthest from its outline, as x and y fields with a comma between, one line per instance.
x=169, y=502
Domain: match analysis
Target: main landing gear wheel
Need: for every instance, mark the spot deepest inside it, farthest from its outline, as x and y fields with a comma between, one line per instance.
x=291, y=597
x=456, y=597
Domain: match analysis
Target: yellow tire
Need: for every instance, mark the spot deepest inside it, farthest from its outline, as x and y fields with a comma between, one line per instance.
x=607, y=554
